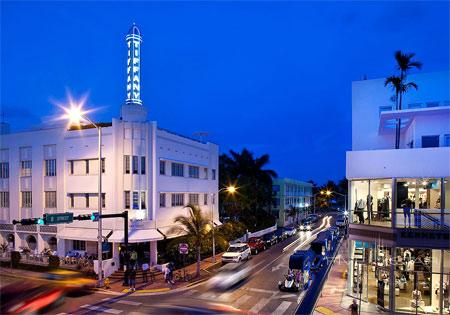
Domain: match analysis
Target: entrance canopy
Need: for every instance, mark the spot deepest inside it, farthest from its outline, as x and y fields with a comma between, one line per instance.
x=80, y=234
x=136, y=236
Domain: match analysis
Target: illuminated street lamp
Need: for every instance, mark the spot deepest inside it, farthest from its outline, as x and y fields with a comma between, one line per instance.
x=231, y=190
x=75, y=114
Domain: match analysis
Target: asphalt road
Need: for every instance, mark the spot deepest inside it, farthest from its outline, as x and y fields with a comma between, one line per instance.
x=259, y=294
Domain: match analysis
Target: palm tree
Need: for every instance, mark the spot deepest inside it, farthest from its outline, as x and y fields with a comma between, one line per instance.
x=196, y=228
x=292, y=212
x=404, y=64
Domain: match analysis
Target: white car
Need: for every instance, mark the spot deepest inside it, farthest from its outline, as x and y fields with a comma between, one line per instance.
x=306, y=225
x=236, y=253
x=229, y=276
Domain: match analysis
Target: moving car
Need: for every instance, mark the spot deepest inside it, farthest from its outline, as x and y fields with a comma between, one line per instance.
x=314, y=218
x=236, y=253
x=341, y=220
x=270, y=239
x=256, y=245
x=290, y=231
x=229, y=276
x=306, y=225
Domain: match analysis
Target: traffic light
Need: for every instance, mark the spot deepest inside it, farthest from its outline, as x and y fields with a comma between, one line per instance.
x=95, y=216
x=82, y=217
x=31, y=221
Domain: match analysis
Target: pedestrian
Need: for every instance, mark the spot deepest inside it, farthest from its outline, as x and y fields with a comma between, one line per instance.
x=171, y=269
x=132, y=279
x=133, y=258
x=145, y=268
x=167, y=274
x=353, y=307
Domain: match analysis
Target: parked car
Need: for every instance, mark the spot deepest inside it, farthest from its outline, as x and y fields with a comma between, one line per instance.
x=236, y=253
x=291, y=231
x=256, y=245
x=341, y=220
x=270, y=239
x=306, y=225
x=314, y=218
x=280, y=234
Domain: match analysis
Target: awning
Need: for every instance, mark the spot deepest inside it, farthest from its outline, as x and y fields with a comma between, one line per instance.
x=166, y=230
x=81, y=234
x=136, y=236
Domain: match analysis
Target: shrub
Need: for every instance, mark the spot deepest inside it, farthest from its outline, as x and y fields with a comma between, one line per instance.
x=15, y=259
x=53, y=261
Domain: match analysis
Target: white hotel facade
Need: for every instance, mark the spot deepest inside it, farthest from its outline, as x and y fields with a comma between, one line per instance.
x=399, y=231
x=150, y=172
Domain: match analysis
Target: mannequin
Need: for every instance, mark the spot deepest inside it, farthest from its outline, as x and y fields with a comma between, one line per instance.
x=359, y=208
x=369, y=207
x=406, y=204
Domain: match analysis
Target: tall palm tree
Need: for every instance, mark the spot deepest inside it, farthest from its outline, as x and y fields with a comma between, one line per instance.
x=404, y=64
x=196, y=228
x=293, y=212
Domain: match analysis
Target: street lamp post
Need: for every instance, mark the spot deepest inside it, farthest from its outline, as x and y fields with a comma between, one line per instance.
x=231, y=190
x=76, y=115
x=314, y=199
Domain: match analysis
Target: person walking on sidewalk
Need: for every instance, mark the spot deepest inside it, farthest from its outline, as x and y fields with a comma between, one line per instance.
x=353, y=308
x=133, y=279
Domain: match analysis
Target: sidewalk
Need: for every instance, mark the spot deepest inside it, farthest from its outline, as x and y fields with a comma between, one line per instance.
x=157, y=286
x=333, y=298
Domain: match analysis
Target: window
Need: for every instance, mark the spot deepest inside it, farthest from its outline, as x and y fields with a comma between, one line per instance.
x=177, y=200
x=79, y=245
x=205, y=199
x=4, y=199
x=87, y=166
x=50, y=167
x=193, y=199
x=103, y=200
x=206, y=173
x=177, y=169
x=25, y=169
x=430, y=141
x=213, y=174
x=71, y=200
x=126, y=164
x=162, y=200
x=4, y=170
x=26, y=199
x=213, y=199
x=193, y=171
x=86, y=196
x=50, y=199
x=103, y=165
x=135, y=164
x=127, y=199
x=135, y=200
x=162, y=167
x=142, y=165
x=276, y=188
x=71, y=167
x=143, y=203
x=447, y=140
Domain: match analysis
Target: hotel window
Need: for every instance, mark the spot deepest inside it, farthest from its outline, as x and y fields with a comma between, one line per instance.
x=71, y=200
x=126, y=164
x=177, y=169
x=193, y=199
x=213, y=199
x=177, y=200
x=127, y=199
x=143, y=203
x=50, y=167
x=205, y=199
x=135, y=200
x=4, y=170
x=50, y=199
x=87, y=166
x=162, y=167
x=213, y=174
x=79, y=245
x=86, y=197
x=193, y=171
x=25, y=168
x=162, y=200
x=71, y=167
x=4, y=199
x=135, y=164
x=26, y=199
x=206, y=173
x=142, y=165
x=103, y=200
x=103, y=165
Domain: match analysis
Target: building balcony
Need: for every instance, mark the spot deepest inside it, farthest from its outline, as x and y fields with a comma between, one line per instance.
x=419, y=162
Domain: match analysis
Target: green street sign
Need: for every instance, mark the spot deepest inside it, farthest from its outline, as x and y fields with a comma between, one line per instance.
x=57, y=218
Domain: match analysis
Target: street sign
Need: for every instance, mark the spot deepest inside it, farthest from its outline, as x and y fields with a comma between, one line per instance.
x=106, y=247
x=57, y=218
x=95, y=216
x=183, y=248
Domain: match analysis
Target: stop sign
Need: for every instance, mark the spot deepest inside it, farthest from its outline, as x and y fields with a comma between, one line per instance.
x=183, y=248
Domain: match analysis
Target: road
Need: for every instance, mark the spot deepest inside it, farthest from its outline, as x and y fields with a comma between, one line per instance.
x=258, y=295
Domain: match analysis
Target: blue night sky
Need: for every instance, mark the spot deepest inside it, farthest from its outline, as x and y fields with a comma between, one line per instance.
x=272, y=77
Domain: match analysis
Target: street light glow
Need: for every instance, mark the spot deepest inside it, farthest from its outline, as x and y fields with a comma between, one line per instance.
x=231, y=189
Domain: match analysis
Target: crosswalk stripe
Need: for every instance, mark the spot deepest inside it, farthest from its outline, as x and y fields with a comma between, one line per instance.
x=282, y=308
x=62, y=313
x=244, y=298
x=262, y=291
x=258, y=306
x=101, y=309
x=190, y=292
x=207, y=296
x=224, y=297
x=119, y=301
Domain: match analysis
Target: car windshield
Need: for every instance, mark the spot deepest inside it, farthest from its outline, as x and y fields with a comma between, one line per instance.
x=234, y=249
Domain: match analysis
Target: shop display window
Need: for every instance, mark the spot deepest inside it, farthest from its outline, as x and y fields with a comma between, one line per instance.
x=447, y=203
x=370, y=201
x=419, y=203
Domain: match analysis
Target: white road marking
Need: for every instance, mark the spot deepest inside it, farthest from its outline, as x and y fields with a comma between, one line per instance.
x=62, y=313
x=224, y=297
x=242, y=300
x=262, y=291
x=207, y=296
x=119, y=301
x=190, y=292
x=258, y=307
x=282, y=308
x=101, y=309
x=287, y=296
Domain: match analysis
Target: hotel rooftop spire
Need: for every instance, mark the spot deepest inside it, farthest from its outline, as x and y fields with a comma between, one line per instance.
x=134, y=40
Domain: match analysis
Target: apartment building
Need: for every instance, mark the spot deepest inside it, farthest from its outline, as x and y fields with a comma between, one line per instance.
x=148, y=171
x=399, y=237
